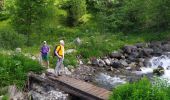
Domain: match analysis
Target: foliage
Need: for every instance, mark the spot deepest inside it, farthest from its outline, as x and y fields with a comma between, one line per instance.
x=9, y=39
x=14, y=69
x=76, y=9
x=133, y=15
x=28, y=15
x=142, y=90
x=6, y=97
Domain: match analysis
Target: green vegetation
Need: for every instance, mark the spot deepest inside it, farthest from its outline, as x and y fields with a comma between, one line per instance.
x=102, y=25
x=14, y=69
x=142, y=90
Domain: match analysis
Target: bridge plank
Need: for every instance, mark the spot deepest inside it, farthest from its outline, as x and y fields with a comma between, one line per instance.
x=77, y=87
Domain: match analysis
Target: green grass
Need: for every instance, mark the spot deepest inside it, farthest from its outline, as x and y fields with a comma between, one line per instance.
x=141, y=90
x=93, y=44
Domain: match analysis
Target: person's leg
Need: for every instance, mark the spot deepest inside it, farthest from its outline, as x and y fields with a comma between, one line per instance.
x=57, y=68
x=47, y=62
x=60, y=66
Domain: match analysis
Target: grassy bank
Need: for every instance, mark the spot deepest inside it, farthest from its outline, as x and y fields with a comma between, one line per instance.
x=14, y=69
x=95, y=44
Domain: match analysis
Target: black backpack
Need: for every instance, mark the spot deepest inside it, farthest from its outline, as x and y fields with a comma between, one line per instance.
x=54, y=54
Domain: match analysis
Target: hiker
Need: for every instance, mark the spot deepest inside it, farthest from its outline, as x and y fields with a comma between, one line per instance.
x=59, y=52
x=45, y=54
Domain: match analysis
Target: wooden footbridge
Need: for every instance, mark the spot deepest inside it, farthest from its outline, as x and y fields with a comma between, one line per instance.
x=72, y=86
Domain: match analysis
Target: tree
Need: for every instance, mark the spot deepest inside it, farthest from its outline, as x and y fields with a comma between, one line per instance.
x=29, y=15
x=75, y=9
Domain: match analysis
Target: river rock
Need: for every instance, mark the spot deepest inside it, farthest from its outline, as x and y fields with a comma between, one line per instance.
x=159, y=71
x=108, y=62
x=157, y=44
x=147, y=51
x=101, y=63
x=140, y=45
x=116, y=65
x=95, y=61
x=15, y=94
x=124, y=63
x=133, y=64
x=128, y=68
x=129, y=49
x=166, y=47
x=147, y=63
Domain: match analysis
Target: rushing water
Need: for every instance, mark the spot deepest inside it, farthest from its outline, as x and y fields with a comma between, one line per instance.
x=109, y=82
x=163, y=61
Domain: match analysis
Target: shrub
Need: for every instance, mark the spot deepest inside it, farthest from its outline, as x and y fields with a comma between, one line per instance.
x=142, y=90
x=9, y=39
x=14, y=69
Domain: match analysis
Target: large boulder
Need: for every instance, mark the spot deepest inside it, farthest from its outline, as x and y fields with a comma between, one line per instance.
x=159, y=71
x=94, y=61
x=147, y=51
x=116, y=64
x=166, y=47
x=140, y=45
x=129, y=49
x=116, y=55
x=157, y=44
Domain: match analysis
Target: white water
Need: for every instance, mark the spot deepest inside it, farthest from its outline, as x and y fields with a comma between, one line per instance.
x=163, y=61
x=108, y=81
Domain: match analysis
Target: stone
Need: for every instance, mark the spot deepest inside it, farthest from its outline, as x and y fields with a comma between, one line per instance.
x=147, y=51
x=157, y=44
x=141, y=64
x=116, y=55
x=129, y=49
x=18, y=50
x=146, y=62
x=89, y=62
x=166, y=47
x=116, y=65
x=69, y=51
x=140, y=45
x=65, y=71
x=107, y=61
x=77, y=41
x=50, y=70
x=128, y=68
x=159, y=71
x=133, y=64
x=124, y=63
x=101, y=63
x=33, y=58
x=14, y=94
x=95, y=61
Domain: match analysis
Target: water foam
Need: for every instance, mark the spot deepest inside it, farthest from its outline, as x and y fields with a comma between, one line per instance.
x=163, y=61
x=108, y=81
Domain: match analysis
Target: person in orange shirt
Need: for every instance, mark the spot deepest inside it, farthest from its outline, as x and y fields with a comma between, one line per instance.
x=60, y=55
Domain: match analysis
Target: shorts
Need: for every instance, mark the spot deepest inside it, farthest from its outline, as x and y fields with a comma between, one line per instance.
x=45, y=57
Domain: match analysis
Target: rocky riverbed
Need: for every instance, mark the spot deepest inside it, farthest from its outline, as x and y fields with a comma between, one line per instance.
x=126, y=65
